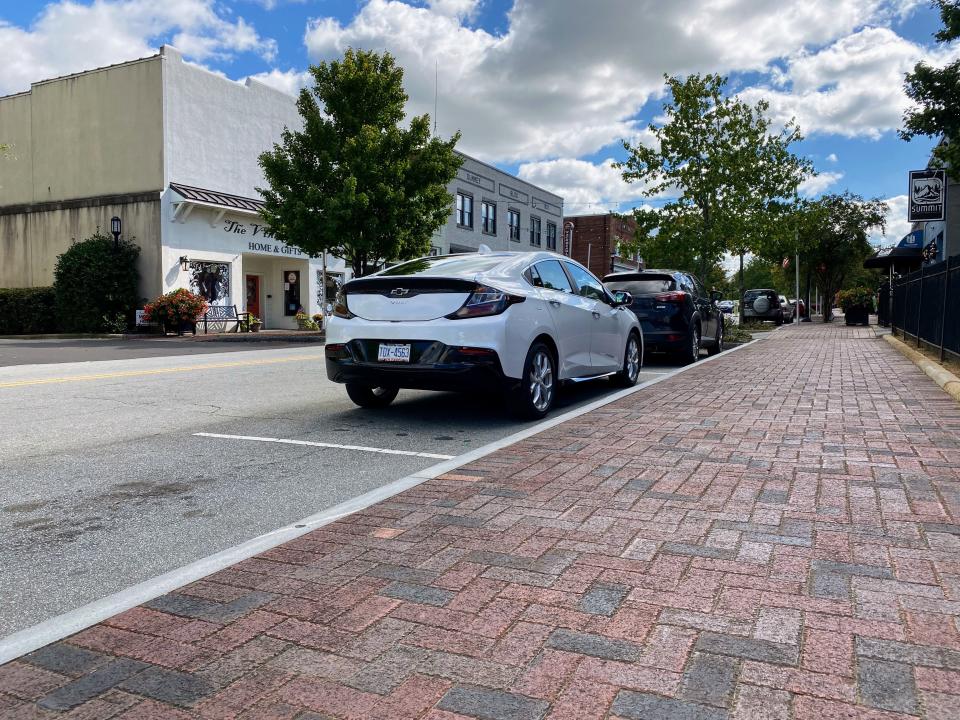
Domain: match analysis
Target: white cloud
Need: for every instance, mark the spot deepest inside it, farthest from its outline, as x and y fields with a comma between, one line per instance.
x=853, y=87
x=288, y=81
x=568, y=77
x=68, y=37
x=832, y=157
x=819, y=182
x=897, y=224
x=585, y=187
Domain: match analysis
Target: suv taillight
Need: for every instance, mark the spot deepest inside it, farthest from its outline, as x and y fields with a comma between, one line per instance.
x=675, y=296
x=484, y=301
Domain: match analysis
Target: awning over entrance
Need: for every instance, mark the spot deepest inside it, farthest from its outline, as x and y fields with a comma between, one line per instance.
x=188, y=197
x=900, y=256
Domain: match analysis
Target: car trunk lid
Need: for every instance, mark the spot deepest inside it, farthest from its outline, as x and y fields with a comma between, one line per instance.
x=406, y=298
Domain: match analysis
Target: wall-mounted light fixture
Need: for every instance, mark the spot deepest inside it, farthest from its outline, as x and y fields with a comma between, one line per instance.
x=115, y=231
x=184, y=263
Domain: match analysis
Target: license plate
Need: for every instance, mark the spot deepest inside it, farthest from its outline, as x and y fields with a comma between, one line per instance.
x=393, y=353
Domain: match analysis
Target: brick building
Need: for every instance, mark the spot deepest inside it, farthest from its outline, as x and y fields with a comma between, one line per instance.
x=596, y=239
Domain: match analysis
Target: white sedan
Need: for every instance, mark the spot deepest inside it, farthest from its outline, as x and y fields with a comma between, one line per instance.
x=517, y=322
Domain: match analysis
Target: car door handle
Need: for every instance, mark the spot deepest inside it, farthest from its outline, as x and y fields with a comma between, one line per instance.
x=555, y=303
x=596, y=314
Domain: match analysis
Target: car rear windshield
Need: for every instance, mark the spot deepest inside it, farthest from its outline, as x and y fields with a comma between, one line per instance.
x=445, y=265
x=643, y=286
x=751, y=294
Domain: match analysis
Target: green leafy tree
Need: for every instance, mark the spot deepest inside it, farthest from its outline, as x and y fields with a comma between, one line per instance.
x=761, y=273
x=936, y=92
x=96, y=284
x=354, y=182
x=834, y=233
x=732, y=173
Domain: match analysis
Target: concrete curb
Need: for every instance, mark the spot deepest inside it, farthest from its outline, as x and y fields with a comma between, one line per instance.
x=949, y=382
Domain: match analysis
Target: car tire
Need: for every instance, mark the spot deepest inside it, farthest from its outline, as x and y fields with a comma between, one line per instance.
x=538, y=386
x=692, y=352
x=367, y=396
x=632, y=362
x=779, y=320
x=718, y=341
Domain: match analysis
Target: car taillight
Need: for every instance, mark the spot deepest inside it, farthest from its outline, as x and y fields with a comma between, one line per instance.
x=483, y=301
x=675, y=296
x=340, y=308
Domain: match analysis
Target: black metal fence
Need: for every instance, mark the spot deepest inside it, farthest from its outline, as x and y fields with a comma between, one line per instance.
x=926, y=306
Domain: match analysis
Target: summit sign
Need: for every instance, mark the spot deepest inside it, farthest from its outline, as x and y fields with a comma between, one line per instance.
x=928, y=196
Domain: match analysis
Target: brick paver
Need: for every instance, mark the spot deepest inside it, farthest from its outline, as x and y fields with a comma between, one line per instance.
x=773, y=535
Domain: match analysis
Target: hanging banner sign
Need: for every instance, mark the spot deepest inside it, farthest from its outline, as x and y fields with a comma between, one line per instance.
x=928, y=195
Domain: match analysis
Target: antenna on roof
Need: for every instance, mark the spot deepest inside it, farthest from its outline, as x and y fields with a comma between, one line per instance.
x=436, y=93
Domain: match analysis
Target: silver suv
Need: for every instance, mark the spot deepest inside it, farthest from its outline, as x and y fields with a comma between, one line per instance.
x=763, y=304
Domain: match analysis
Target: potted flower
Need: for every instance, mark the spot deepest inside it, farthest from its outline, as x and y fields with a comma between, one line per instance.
x=176, y=311
x=304, y=322
x=254, y=323
x=857, y=304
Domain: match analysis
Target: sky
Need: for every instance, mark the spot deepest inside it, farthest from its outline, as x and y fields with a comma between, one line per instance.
x=547, y=89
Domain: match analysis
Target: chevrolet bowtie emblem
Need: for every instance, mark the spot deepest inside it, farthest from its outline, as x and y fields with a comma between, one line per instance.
x=399, y=292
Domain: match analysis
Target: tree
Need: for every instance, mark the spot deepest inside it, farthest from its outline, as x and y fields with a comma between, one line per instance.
x=353, y=182
x=761, y=273
x=936, y=91
x=833, y=231
x=733, y=175
x=96, y=284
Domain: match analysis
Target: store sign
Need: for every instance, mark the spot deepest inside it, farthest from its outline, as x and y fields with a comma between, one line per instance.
x=259, y=230
x=928, y=194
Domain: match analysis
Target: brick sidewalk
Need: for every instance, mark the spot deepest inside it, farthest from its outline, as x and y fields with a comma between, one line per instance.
x=769, y=536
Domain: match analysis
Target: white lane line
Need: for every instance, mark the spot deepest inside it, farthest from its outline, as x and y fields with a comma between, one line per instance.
x=333, y=446
x=73, y=621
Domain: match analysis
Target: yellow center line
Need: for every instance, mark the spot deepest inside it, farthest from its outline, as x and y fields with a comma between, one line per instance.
x=158, y=371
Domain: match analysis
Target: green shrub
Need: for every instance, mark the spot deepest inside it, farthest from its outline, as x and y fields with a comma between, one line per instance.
x=94, y=282
x=25, y=311
x=855, y=297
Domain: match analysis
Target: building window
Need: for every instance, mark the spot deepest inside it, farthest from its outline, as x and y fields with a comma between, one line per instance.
x=488, y=217
x=513, y=219
x=434, y=251
x=551, y=236
x=535, y=231
x=465, y=210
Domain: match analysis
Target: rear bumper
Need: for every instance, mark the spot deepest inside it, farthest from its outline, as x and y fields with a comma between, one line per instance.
x=665, y=340
x=434, y=366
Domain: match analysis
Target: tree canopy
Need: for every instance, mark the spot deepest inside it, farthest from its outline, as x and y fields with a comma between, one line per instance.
x=353, y=181
x=936, y=92
x=735, y=177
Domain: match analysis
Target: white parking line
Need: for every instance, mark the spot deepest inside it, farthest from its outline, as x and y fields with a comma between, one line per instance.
x=333, y=446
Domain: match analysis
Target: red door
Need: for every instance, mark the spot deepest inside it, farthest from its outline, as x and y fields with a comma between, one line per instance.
x=253, y=296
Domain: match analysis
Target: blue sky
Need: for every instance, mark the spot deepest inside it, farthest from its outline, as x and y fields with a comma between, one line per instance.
x=545, y=88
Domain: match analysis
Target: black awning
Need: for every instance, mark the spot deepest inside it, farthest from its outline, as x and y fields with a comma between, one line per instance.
x=885, y=257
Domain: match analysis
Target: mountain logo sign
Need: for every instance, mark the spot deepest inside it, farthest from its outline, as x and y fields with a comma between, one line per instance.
x=927, y=195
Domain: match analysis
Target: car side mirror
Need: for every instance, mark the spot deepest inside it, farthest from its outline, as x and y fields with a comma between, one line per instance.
x=716, y=296
x=622, y=297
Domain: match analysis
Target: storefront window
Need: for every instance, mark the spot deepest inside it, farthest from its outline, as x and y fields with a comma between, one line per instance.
x=291, y=292
x=211, y=280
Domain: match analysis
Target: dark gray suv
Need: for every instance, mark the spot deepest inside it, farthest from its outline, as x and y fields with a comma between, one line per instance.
x=762, y=304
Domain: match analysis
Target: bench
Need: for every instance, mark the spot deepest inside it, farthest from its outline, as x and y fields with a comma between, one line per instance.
x=224, y=314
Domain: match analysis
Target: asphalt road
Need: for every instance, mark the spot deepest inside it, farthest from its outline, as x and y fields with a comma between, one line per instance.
x=104, y=482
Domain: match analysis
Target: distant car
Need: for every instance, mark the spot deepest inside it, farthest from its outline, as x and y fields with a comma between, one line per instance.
x=515, y=322
x=803, y=307
x=727, y=306
x=762, y=304
x=677, y=314
x=787, y=309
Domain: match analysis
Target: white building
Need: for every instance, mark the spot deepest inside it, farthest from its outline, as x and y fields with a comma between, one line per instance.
x=172, y=150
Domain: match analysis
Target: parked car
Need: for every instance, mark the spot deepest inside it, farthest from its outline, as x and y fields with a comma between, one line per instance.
x=514, y=322
x=726, y=306
x=787, y=309
x=763, y=304
x=803, y=306
x=677, y=314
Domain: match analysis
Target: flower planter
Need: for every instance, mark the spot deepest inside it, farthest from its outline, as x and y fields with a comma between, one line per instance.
x=255, y=326
x=857, y=315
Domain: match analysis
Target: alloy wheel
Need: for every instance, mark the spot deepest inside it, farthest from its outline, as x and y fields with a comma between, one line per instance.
x=633, y=359
x=541, y=381
x=695, y=350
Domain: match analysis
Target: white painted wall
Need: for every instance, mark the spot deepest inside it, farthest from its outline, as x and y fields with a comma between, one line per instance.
x=215, y=129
